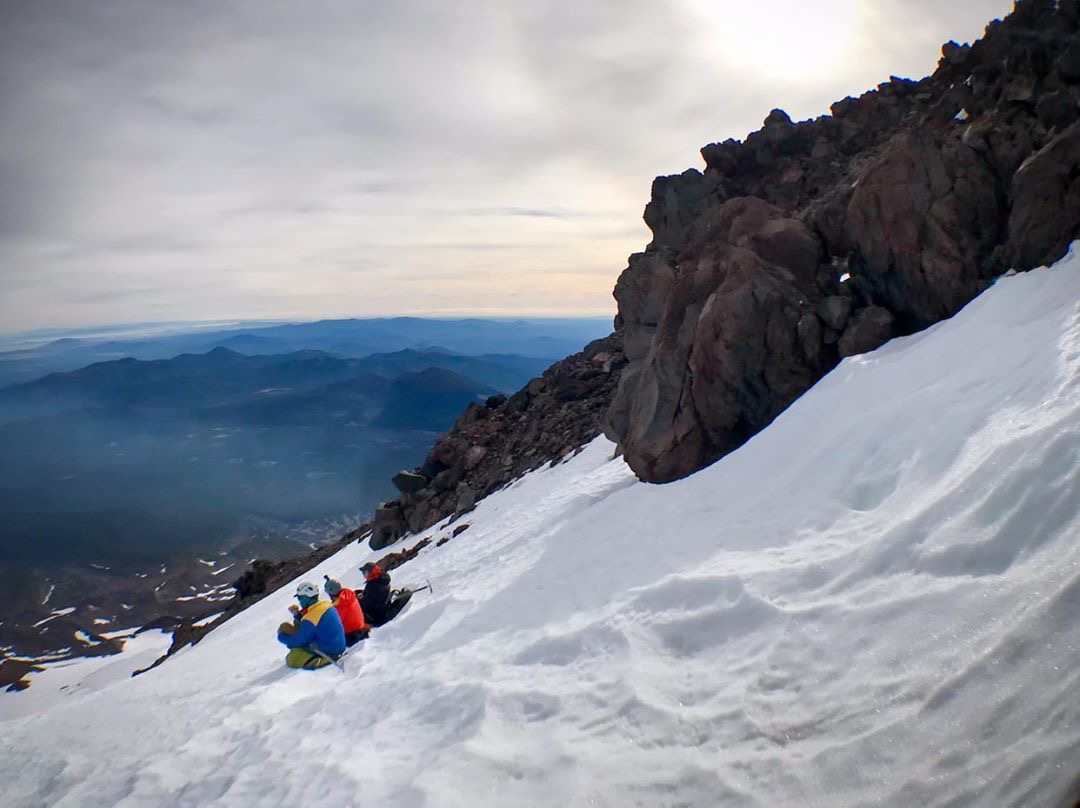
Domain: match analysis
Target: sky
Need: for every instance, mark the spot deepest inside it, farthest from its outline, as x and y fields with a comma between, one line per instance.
x=262, y=159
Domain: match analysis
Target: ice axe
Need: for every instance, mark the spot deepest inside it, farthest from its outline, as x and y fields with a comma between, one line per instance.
x=426, y=586
x=335, y=662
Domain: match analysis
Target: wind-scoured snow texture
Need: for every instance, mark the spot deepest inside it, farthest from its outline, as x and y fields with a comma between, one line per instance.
x=874, y=602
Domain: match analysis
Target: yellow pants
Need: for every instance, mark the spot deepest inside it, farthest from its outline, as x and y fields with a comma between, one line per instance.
x=303, y=658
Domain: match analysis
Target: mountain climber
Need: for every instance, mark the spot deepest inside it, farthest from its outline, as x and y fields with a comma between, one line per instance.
x=375, y=600
x=348, y=609
x=316, y=637
x=380, y=605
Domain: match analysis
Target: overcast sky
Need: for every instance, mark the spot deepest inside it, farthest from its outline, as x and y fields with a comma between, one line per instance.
x=255, y=159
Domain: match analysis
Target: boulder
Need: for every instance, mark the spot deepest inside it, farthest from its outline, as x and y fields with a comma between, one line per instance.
x=675, y=202
x=727, y=354
x=641, y=292
x=466, y=499
x=1057, y=109
x=1045, y=216
x=1068, y=64
x=449, y=450
x=448, y=479
x=519, y=402
x=389, y=525
x=868, y=330
x=409, y=482
x=418, y=517
x=777, y=117
x=955, y=55
x=474, y=456
x=923, y=220
x=571, y=389
x=834, y=311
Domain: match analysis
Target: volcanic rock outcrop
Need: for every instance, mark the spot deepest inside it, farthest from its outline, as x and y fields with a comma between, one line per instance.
x=817, y=240
x=496, y=442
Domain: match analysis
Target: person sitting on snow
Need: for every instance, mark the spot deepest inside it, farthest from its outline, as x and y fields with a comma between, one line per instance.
x=375, y=600
x=348, y=609
x=317, y=638
x=380, y=604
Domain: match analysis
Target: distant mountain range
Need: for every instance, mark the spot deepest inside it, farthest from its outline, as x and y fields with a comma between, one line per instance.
x=225, y=384
x=544, y=339
x=134, y=463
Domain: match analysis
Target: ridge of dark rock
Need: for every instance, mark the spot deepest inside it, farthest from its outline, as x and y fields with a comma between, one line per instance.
x=812, y=241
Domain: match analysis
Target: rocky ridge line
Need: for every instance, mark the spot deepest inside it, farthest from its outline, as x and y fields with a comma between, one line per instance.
x=812, y=241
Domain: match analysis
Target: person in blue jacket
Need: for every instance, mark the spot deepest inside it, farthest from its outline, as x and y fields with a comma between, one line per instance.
x=316, y=637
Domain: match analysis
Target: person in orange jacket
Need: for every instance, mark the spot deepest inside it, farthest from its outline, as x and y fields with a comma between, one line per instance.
x=348, y=608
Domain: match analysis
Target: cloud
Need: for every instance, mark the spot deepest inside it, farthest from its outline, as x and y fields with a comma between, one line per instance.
x=263, y=158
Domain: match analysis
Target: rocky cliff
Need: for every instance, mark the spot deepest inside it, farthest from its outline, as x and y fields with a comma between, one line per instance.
x=812, y=241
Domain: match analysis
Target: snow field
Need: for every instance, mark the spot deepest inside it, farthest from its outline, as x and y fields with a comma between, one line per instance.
x=874, y=602
x=60, y=682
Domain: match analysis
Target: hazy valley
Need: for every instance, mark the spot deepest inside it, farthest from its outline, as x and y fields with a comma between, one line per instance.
x=129, y=484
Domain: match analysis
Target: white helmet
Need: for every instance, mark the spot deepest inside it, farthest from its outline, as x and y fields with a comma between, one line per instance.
x=307, y=590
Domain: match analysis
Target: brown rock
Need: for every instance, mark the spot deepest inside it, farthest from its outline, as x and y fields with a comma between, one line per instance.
x=408, y=482
x=710, y=374
x=641, y=292
x=466, y=499
x=868, y=330
x=924, y=219
x=449, y=478
x=834, y=311
x=474, y=456
x=1045, y=215
x=390, y=525
x=676, y=202
x=449, y=450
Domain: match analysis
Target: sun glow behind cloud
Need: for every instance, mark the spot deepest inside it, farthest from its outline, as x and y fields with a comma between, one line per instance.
x=262, y=159
x=792, y=39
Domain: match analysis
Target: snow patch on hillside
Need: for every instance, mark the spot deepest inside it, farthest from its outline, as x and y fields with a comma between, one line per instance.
x=874, y=602
x=60, y=683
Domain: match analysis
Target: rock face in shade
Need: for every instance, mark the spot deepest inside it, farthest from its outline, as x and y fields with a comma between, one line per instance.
x=812, y=241
x=726, y=336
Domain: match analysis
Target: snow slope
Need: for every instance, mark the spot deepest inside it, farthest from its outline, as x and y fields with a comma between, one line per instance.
x=875, y=602
x=59, y=682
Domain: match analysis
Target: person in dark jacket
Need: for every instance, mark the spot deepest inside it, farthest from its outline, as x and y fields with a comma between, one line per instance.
x=375, y=600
